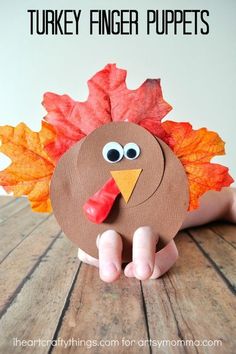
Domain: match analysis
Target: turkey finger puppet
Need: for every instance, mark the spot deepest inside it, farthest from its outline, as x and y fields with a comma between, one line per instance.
x=111, y=163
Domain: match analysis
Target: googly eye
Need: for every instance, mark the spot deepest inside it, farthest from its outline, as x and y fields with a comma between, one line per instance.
x=131, y=151
x=112, y=152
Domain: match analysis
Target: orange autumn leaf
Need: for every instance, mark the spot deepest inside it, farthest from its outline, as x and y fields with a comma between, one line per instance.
x=195, y=149
x=31, y=169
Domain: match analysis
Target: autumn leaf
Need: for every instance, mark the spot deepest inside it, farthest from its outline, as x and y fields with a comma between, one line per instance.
x=155, y=128
x=195, y=149
x=61, y=115
x=31, y=169
x=109, y=100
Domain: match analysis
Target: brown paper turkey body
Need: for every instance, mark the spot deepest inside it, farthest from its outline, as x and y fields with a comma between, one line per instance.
x=150, y=184
x=117, y=165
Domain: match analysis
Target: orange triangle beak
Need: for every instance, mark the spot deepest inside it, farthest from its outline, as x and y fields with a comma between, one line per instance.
x=126, y=181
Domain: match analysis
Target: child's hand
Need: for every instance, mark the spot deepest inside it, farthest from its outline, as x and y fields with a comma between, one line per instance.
x=146, y=263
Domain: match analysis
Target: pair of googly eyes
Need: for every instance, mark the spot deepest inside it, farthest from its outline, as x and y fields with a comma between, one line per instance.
x=114, y=152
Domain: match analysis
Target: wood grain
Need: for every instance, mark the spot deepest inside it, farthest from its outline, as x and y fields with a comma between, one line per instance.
x=24, y=258
x=12, y=207
x=225, y=230
x=16, y=228
x=5, y=199
x=104, y=311
x=191, y=302
x=45, y=293
x=220, y=252
x=36, y=309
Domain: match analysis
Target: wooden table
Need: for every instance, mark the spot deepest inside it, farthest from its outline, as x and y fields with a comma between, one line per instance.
x=47, y=294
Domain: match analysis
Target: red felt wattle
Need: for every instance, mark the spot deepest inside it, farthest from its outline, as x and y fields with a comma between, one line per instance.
x=99, y=205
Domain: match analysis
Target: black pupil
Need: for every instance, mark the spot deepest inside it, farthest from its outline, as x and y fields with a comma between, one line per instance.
x=131, y=153
x=113, y=155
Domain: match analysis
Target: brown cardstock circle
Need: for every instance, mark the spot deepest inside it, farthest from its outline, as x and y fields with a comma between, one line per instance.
x=160, y=198
x=93, y=170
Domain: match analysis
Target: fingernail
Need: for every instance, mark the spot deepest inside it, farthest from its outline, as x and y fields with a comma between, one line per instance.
x=142, y=270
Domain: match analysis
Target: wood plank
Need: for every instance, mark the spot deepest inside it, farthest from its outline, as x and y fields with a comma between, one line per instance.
x=100, y=311
x=190, y=302
x=16, y=228
x=41, y=271
x=5, y=199
x=12, y=208
x=226, y=230
x=220, y=252
x=35, y=311
x=24, y=258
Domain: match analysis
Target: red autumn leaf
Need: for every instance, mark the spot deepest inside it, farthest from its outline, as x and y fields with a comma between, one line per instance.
x=195, y=149
x=109, y=100
x=155, y=128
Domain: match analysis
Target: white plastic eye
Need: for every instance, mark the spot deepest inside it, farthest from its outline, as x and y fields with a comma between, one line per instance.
x=131, y=151
x=112, y=152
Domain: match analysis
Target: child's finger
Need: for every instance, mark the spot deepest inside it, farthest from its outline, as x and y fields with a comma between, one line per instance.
x=129, y=271
x=164, y=260
x=86, y=258
x=109, y=250
x=144, y=247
